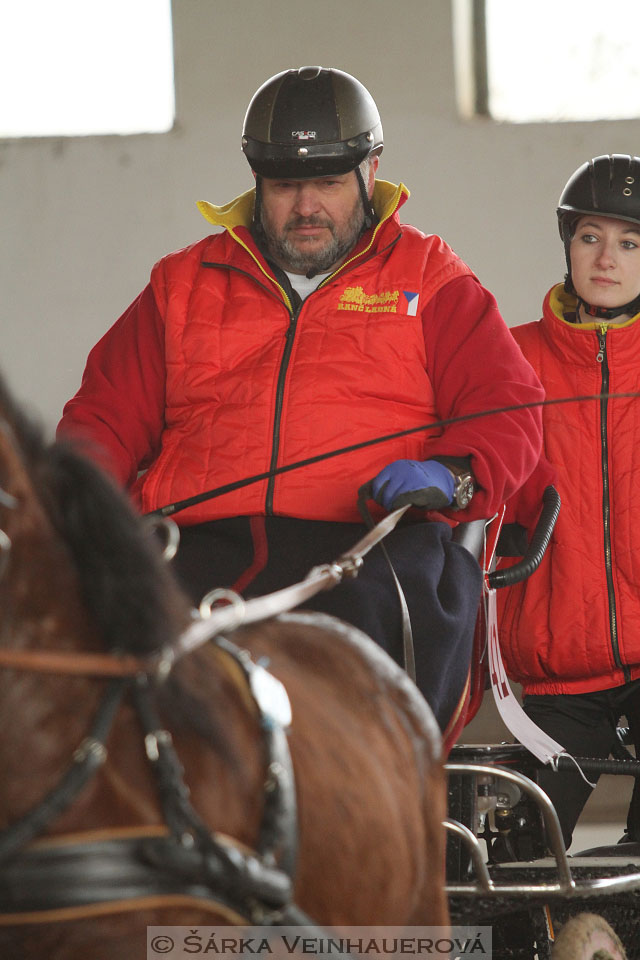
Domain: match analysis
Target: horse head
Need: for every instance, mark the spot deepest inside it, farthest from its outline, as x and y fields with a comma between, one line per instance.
x=82, y=582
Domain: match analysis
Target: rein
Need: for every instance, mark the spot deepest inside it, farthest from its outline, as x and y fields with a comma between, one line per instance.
x=170, y=509
x=74, y=664
x=86, y=761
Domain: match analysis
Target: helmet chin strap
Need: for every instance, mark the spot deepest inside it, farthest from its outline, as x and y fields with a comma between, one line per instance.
x=256, y=226
x=602, y=313
x=370, y=217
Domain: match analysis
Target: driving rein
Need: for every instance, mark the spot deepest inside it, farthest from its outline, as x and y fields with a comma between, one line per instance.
x=44, y=880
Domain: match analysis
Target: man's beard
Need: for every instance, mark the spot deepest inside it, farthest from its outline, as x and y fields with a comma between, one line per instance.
x=296, y=259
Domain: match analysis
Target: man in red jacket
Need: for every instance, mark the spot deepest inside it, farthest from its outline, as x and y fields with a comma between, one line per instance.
x=317, y=320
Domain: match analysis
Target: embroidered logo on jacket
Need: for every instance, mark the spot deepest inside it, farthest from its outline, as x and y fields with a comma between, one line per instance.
x=354, y=298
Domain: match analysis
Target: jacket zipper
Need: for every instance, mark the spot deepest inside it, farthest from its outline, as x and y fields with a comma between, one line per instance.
x=282, y=378
x=601, y=357
x=284, y=368
x=288, y=347
x=282, y=372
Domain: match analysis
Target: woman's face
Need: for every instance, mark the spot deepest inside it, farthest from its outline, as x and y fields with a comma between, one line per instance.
x=605, y=261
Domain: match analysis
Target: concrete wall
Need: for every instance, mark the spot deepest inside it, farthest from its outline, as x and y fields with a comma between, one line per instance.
x=84, y=219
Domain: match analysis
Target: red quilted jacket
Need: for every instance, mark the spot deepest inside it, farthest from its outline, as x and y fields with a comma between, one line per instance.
x=574, y=625
x=252, y=383
x=212, y=375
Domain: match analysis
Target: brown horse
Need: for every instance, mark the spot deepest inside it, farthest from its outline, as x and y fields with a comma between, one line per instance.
x=98, y=842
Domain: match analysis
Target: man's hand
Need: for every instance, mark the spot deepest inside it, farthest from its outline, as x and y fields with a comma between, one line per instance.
x=428, y=484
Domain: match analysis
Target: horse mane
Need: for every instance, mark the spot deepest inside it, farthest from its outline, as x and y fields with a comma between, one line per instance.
x=128, y=589
x=126, y=585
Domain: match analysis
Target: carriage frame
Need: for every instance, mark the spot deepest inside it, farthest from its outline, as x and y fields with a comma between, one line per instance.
x=507, y=866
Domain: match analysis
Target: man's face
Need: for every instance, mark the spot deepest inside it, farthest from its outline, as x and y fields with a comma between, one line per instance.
x=312, y=224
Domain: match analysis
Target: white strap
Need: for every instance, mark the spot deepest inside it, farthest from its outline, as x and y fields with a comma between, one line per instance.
x=521, y=726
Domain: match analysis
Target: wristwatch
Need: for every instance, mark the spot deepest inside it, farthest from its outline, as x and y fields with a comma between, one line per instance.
x=463, y=488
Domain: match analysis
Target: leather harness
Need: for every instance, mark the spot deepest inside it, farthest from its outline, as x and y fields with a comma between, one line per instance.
x=59, y=878
x=182, y=864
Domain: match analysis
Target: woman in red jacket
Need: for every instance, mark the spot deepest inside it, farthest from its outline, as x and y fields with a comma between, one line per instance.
x=571, y=634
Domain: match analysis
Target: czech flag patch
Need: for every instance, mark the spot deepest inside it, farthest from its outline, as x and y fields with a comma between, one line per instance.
x=412, y=303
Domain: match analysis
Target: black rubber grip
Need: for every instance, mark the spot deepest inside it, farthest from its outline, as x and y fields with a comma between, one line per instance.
x=537, y=546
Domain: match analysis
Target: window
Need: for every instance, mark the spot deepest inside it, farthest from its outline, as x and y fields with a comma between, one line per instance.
x=77, y=67
x=544, y=60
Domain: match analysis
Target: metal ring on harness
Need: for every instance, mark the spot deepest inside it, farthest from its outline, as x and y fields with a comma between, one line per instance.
x=170, y=530
x=214, y=597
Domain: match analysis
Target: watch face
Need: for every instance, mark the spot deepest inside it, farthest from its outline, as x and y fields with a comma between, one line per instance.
x=463, y=490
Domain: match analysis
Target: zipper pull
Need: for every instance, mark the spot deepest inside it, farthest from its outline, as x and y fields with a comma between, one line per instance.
x=602, y=338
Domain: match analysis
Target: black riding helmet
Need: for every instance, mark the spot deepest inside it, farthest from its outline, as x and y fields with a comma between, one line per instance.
x=607, y=186
x=312, y=122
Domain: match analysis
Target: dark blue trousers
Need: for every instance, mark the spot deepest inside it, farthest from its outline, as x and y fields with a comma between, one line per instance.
x=440, y=579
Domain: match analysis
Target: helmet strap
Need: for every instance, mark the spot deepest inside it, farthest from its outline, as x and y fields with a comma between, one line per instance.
x=256, y=225
x=604, y=313
x=370, y=216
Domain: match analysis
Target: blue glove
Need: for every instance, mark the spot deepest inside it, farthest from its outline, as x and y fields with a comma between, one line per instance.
x=428, y=484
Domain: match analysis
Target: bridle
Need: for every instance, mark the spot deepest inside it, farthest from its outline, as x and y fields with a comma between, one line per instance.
x=185, y=863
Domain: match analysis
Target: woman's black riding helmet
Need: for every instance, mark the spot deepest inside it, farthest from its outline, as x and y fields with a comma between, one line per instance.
x=607, y=186
x=312, y=122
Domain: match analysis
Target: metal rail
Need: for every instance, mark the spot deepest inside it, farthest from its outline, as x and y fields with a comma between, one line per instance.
x=565, y=885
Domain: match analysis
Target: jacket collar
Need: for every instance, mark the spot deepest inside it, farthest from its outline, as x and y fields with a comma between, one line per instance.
x=236, y=217
x=578, y=342
x=560, y=303
x=387, y=198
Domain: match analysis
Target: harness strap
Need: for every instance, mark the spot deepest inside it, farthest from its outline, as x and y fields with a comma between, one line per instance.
x=266, y=875
x=73, y=664
x=89, y=756
x=82, y=880
x=189, y=861
x=278, y=835
x=115, y=907
x=408, y=647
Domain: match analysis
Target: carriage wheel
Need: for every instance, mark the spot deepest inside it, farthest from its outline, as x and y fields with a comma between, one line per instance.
x=587, y=936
